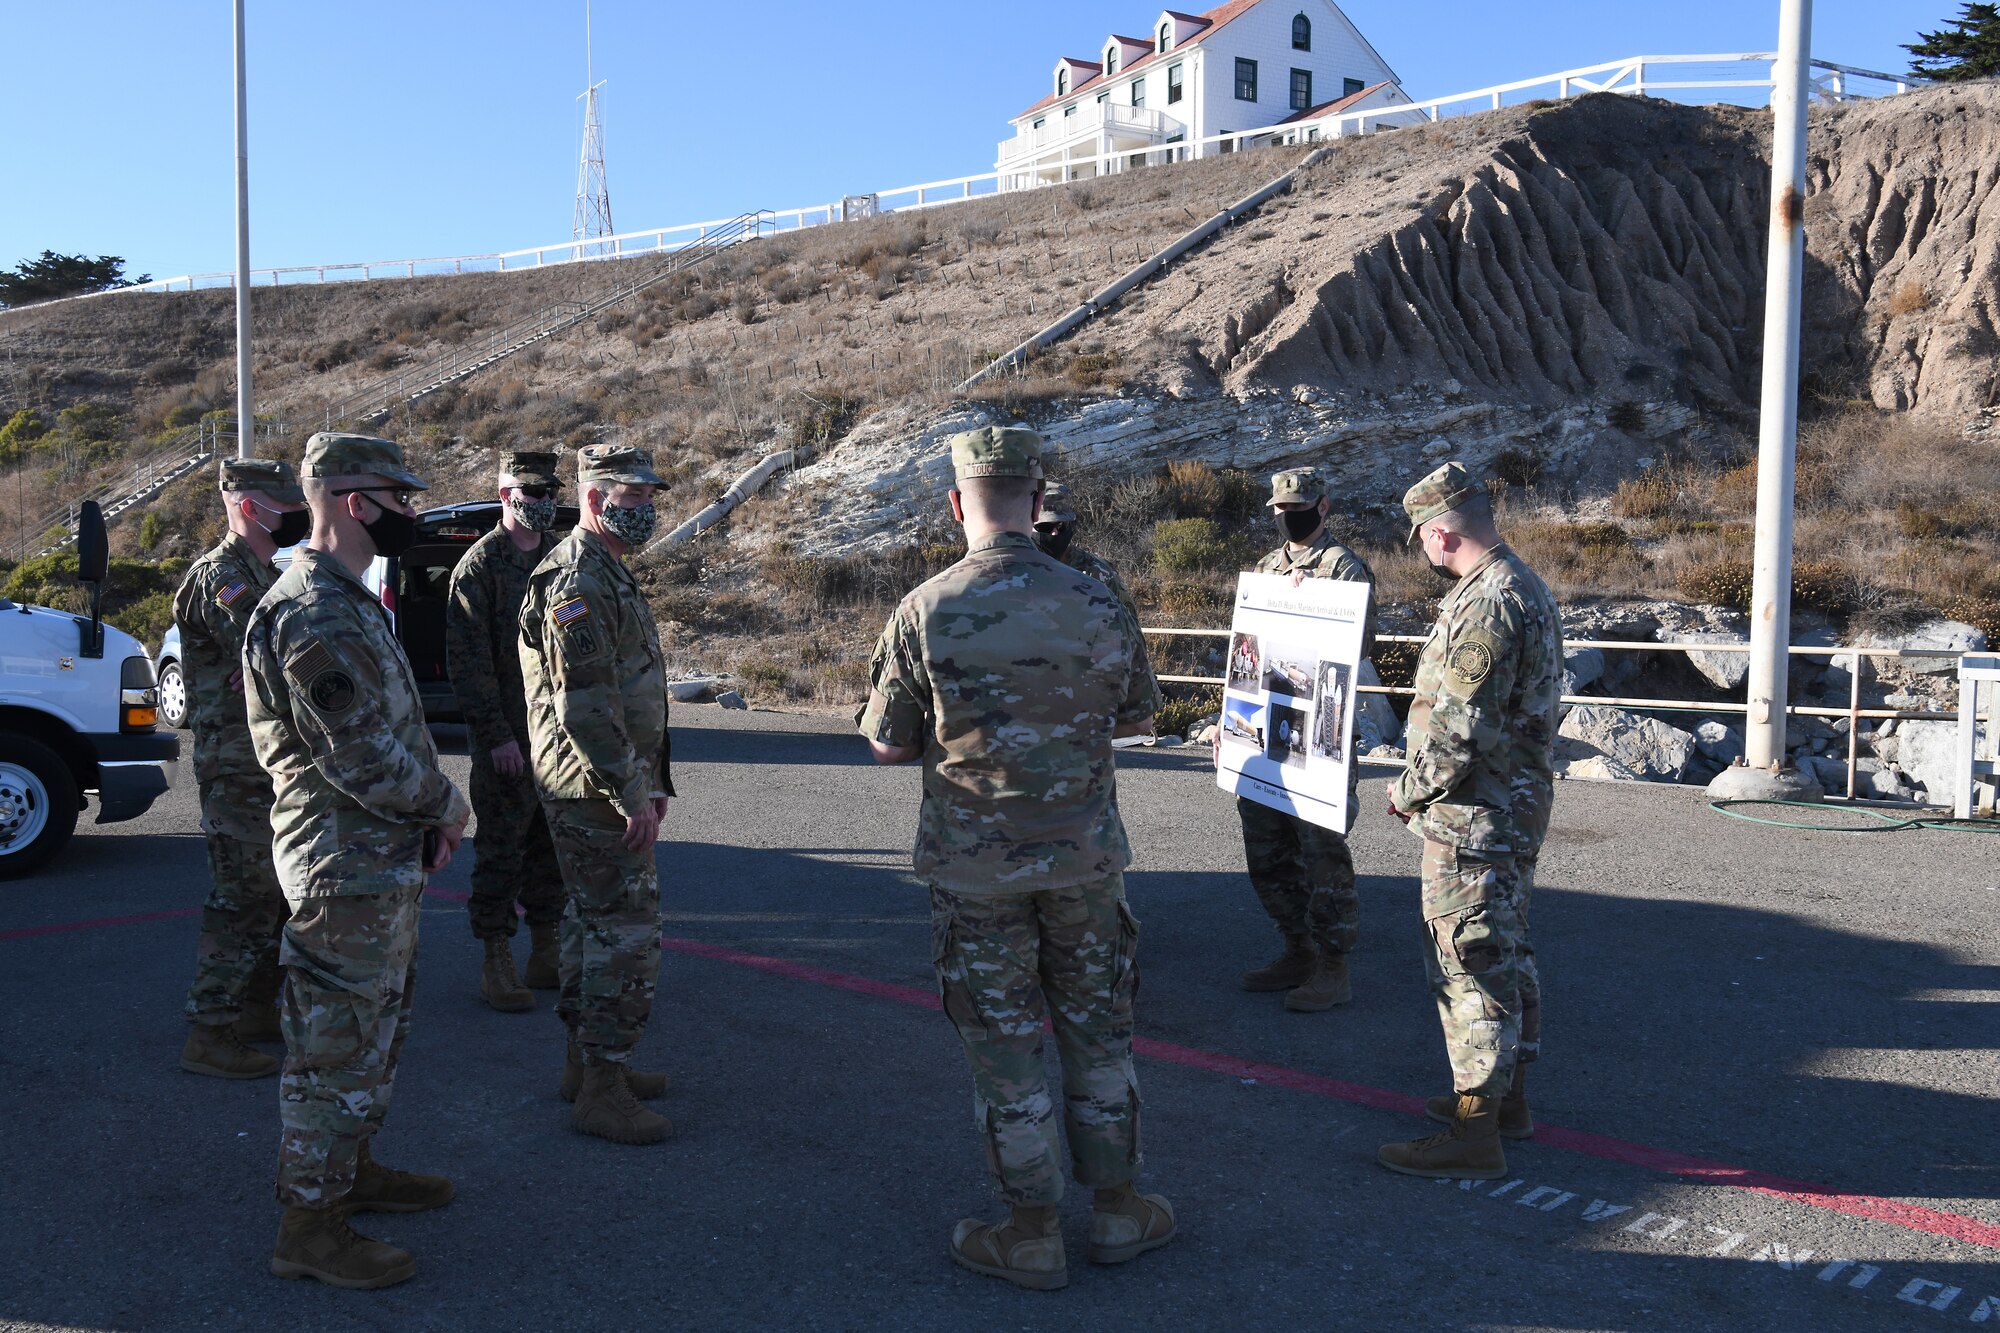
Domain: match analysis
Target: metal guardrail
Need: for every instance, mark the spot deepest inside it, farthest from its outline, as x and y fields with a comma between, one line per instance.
x=1854, y=712
x=1628, y=76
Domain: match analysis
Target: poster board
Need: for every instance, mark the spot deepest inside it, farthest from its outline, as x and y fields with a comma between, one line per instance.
x=1287, y=732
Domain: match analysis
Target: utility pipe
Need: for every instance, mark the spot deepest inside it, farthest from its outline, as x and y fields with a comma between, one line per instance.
x=739, y=490
x=1778, y=420
x=246, y=420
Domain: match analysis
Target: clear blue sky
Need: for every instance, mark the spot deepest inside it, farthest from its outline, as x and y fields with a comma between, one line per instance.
x=384, y=131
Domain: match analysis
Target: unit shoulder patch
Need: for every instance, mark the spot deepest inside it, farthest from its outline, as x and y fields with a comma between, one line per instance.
x=1470, y=663
x=329, y=687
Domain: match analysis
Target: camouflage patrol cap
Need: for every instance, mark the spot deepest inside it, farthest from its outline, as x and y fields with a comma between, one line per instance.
x=523, y=468
x=617, y=462
x=996, y=451
x=1299, y=485
x=332, y=453
x=1441, y=492
x=1055, y=505
x=270, y=476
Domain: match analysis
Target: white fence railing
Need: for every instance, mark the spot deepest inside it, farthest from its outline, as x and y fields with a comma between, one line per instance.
x=1636, y=76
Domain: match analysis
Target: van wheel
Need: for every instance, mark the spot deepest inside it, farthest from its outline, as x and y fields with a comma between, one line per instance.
x=38, y=804
x=173, y=696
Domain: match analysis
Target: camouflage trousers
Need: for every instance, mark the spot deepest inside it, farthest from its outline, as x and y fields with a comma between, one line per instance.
x=1004, y=965
x=1303, y=874
x=1482, y=965
x=610, y=930
x=514, y=858
x=350, y=964
x=236, y=962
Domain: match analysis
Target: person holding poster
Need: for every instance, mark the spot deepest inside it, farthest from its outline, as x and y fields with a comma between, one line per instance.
x=1302, y=872
x=1478, y=789
x=1020, y=840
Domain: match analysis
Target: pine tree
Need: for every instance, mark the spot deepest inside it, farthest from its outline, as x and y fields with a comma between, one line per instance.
x=1966, y=48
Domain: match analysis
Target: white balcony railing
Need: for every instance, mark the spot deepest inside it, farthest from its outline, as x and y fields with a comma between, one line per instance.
x=1088, y=122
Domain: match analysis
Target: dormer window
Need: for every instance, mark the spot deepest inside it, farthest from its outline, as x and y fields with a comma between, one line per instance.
x=1166, y=35
x=1110, y=61
x=1062, y=83
x=1302, y=33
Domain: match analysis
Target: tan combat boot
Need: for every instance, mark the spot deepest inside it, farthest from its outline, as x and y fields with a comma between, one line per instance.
x=1469, y=1150
x=258, y=1022
x=317, y=1242
x=606, y=1108
x=646, y=1085
x=1124, y=1224
x=1327, y=986
x=498, y=984
x=384, y=1189
x=1515, y=1122
x=1027, y=1251
x=216, y=1050
x=544, y=970
x=1291, y=968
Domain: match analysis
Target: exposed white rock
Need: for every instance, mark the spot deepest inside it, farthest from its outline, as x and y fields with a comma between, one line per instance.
x=1648, y=747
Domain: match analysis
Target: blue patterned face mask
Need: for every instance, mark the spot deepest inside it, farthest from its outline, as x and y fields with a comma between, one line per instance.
x=631, y=526
x=532, y=514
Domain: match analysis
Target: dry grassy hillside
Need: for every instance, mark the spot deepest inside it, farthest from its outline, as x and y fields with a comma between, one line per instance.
x=1577, y=285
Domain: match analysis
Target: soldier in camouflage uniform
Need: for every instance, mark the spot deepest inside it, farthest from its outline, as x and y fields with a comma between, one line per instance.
x=1055, y=533
x=1478, y=788
x=362, y=810
x=235, y=989
x=1008, y=675
x=597, y=722
x=1303, y=873
x=516, y=861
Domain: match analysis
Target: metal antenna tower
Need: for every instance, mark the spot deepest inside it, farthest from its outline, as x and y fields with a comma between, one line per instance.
x=593, y=196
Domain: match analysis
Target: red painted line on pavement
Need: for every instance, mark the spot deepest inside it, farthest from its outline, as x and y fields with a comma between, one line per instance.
x=1894, y=1212
x=1911, y=1217
x=66, y=927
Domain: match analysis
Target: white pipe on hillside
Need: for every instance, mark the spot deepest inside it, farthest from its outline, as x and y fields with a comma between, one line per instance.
x=1778, y=421
x=1104, y=299
x=739, y=490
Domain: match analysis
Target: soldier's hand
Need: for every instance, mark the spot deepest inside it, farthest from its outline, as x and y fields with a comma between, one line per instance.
x=1402, y=815
x=236, y=680
x=642, y=830
x=507, y=760
x=660, y=809
x=448, y=838
x=1298, y=577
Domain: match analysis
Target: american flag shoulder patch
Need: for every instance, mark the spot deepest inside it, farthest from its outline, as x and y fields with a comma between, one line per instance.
x=229, y=594
x=572, y=610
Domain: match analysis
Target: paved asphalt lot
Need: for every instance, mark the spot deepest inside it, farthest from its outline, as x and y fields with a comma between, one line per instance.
x=1730, y=1009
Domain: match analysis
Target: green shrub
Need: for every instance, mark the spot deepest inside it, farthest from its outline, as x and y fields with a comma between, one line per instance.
x=1190, y=546
x=1179, y=713
x=1722, y=582
x=146, y=619
x=1187, y=602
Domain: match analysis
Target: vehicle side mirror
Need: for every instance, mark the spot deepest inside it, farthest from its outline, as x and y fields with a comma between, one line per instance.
x=93, y=548
x=93, y=558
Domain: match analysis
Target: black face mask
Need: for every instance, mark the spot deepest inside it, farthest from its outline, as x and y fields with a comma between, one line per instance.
x=393, y=532
x=294, y=526
x=1054, y=540
x=1299, y=524
x=1443, y=573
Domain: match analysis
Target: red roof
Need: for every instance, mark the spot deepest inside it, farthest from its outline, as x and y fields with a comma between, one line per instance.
x=1215, y=19
x=1329, y=108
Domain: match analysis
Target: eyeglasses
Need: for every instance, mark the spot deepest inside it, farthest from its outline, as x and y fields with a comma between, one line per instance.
x=535, y=492
x=402, y=495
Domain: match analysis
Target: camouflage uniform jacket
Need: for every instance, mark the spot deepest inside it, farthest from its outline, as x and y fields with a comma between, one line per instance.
x=1012, y=672
x=482, y=635
x=596, y=682
x=1328, y=559
x=212, y=608
x=1481, y=776
x=338, y=724
x=1097, y=567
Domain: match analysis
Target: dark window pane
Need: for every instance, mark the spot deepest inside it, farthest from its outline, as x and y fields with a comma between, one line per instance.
x=1173, y=83
x=1246, y=80
x=1302, y=33
x=1302, y=89
x=1349, y=87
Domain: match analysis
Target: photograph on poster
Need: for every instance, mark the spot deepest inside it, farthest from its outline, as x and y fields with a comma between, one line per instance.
x=1243, y=722
x=1290, y=671
x=1330, y=702
x=1287, y=737
x=1243, y=656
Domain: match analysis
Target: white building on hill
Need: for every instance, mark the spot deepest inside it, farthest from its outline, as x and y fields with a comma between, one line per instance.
x=1249, y=65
